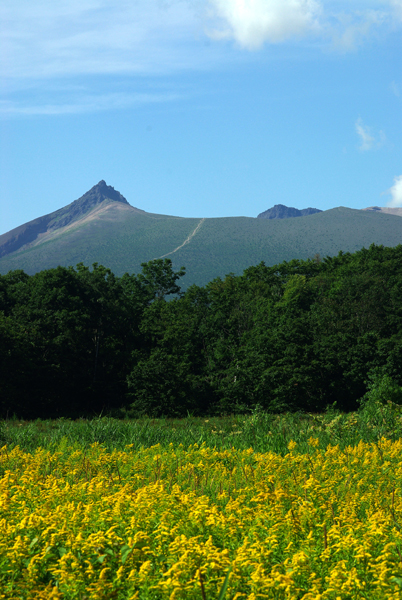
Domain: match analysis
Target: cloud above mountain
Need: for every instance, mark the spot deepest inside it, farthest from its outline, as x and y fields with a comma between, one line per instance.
x=346, y=25
x=396, y=193
x=69, y=37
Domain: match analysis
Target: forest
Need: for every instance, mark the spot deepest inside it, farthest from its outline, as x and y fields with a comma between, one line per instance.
x=297, y=336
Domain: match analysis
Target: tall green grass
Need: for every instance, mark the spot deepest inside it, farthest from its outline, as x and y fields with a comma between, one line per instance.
x=260, y=431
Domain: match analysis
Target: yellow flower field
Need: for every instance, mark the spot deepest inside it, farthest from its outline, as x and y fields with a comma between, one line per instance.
x=169, y=523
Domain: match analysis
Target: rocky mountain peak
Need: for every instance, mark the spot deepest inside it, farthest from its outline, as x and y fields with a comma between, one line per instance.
x=99, y=193
x=280, y=211
x=77, y=209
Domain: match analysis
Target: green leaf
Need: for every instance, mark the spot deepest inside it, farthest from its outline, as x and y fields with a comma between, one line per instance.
x=225, y=585
x=125, y=551
x=32, y=544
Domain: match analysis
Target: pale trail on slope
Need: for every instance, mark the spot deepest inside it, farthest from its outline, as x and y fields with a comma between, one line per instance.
x=187, y=241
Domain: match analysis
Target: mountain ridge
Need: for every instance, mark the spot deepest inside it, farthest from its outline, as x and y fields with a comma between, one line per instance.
x=122, y=237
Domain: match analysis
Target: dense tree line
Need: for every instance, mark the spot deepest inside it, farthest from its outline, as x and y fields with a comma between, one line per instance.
x=300, y=335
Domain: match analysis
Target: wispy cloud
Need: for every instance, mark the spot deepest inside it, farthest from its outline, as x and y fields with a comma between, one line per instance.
x=73, y=37
x=85, y=104
x=395, y=89
x=396, y=193
x=366, y=139
x=369, y=140
x=397, y=8
x=349, y=30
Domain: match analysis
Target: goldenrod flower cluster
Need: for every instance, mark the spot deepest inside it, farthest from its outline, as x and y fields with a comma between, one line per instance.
x=160, y=523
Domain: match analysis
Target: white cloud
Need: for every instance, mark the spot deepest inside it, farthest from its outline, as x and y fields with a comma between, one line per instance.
x=253, y=22
x=394, y=89
x=396, y=193
x=366, y=139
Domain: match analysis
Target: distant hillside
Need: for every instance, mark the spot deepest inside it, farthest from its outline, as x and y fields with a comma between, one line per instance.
x=102, y=227
x=280, y=211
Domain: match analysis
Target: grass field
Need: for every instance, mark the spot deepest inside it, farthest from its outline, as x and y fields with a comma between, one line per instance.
x=260, y=431
x=283, y=507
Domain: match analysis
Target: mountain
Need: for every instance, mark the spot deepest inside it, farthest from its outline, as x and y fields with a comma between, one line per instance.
x=280, y=211
x=103, y=227
x=39, y=229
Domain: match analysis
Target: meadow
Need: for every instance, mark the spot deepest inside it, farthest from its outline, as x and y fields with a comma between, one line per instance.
x=293, y=506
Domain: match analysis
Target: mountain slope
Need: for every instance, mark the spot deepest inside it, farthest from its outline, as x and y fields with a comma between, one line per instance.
x=232, y=244
x=121, y=237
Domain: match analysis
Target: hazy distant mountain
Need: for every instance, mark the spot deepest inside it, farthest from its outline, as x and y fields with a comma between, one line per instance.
x=103, y=227
x=386, y=210
x=280, y=211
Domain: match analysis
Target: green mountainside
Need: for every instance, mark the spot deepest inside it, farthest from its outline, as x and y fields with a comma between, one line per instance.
x=102, y=227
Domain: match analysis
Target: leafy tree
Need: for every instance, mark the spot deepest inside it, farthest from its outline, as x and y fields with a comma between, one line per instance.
x=382, y=389
x=158, y=278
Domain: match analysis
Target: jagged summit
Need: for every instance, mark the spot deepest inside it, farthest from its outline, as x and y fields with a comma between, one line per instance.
x=100, y=192
x=280, y=211
x=95, y=196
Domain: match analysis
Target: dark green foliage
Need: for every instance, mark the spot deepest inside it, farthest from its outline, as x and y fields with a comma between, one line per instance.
x=382, y=389
x=298, y=336
x=67, y=336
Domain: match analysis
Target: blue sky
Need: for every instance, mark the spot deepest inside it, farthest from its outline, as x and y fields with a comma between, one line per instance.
x=200, y=108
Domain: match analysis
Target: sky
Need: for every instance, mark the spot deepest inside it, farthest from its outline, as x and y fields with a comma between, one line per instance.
x=200, y=108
